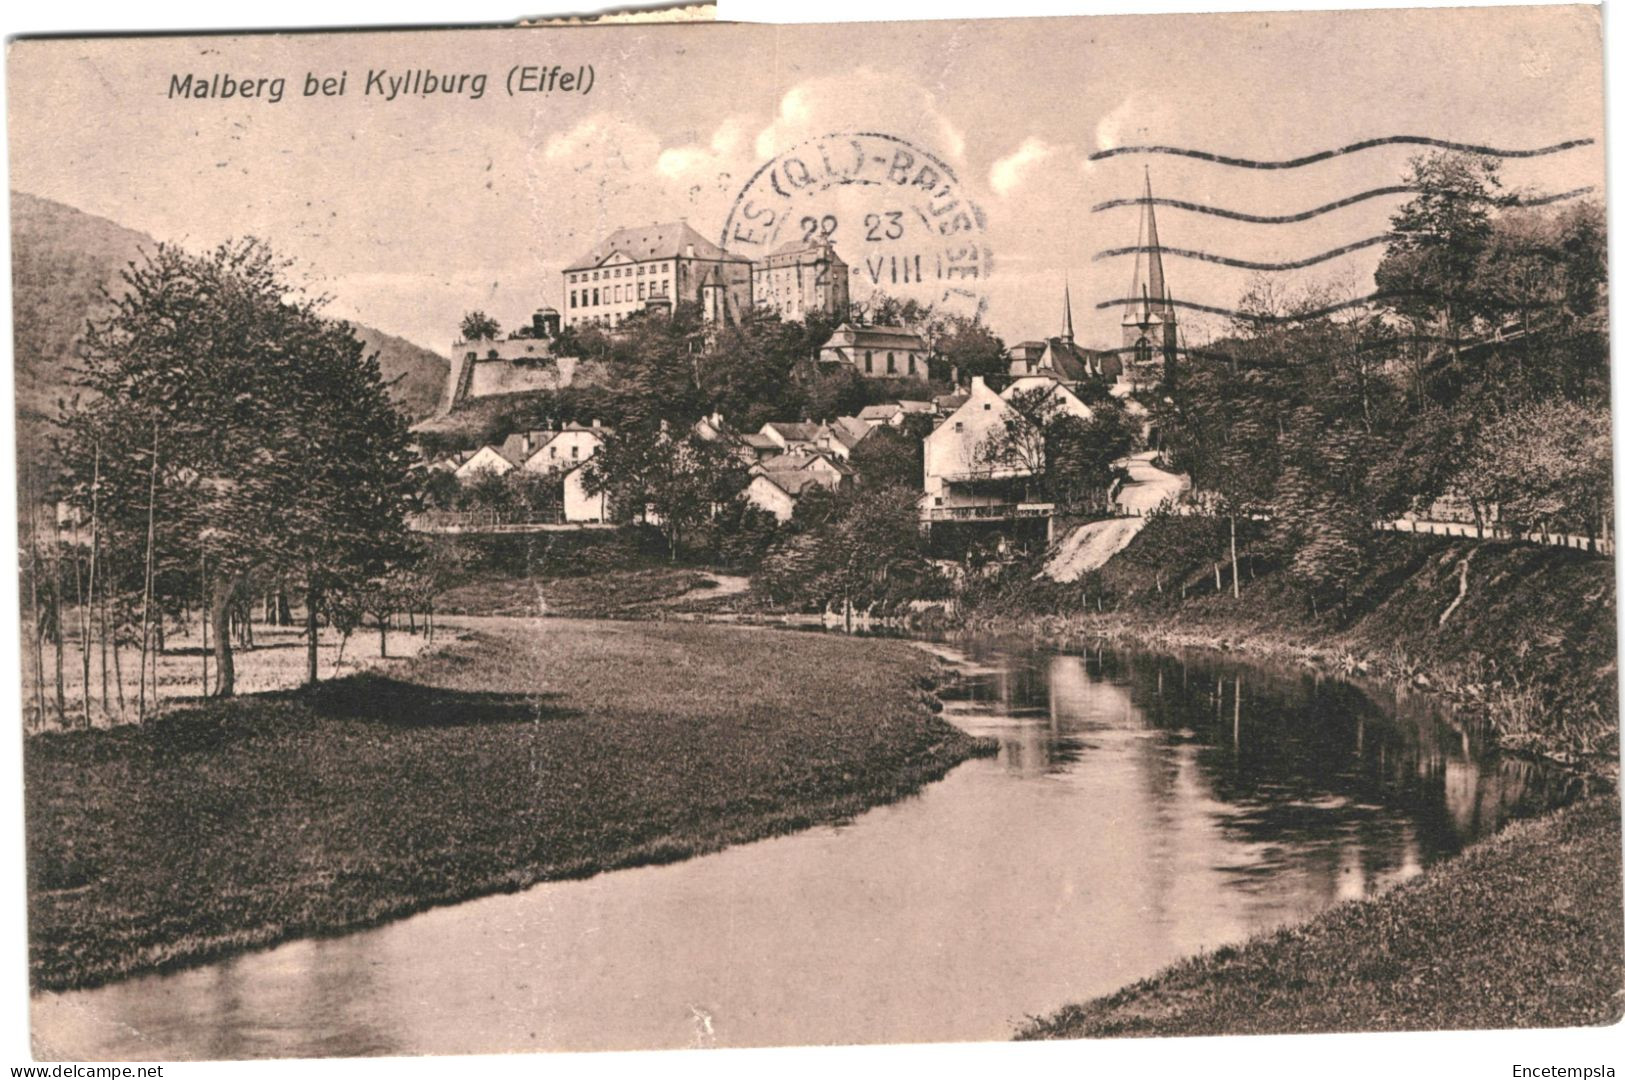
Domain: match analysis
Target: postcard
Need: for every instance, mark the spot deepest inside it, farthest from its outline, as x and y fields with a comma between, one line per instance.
x=655, y=534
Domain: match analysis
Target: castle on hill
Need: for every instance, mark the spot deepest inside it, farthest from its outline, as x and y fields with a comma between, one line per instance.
x=655, y=268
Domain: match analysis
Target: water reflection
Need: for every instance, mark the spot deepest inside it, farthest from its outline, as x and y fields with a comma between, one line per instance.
x=1141, y=808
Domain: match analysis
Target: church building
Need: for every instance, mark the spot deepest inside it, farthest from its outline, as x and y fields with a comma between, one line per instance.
x=1150, y=330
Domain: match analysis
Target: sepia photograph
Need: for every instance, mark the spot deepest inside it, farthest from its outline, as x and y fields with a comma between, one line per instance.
x=642, y=532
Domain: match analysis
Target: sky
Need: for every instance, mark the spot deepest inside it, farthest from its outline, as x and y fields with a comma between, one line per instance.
x=413, y=211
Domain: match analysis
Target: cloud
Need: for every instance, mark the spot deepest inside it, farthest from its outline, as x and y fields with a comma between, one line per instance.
x=1009, y=171
x=863, y=100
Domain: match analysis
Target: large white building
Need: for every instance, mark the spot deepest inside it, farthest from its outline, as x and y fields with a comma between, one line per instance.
x=802, y=279
x=660, y=264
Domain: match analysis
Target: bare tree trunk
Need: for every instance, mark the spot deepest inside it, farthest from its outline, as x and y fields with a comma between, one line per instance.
x=146, y=587
x=1235, y=568
x=310, y=634
x=88, y=606
x=56, y=618
x=203, y=618
x=38, y=634
x=101, y=638
x=220, y=608
x=84, y=626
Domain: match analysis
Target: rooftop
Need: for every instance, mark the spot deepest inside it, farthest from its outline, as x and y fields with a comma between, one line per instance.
x=667, y=241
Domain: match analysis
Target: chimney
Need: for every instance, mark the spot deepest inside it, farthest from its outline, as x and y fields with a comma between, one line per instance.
x=597, y=423
x=977, y=383
x=689, y=251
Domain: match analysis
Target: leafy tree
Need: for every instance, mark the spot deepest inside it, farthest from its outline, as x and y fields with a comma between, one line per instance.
x=883, y=309
x=861, y=549
x=232, y=427
x=673, y=483
x=1547, y=465
x=891, y=457
x=478, y=326
x=969, y=348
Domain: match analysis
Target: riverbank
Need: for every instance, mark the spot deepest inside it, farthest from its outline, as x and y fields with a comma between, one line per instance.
x=1519, y=638
x=536, y=751
x=1522, y=930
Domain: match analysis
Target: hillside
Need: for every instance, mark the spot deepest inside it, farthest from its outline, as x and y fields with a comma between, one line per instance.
x=62, y=260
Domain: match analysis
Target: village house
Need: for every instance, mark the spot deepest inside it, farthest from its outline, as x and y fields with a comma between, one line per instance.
x=566, y=448
x=800, y=435
x=841, y=436
x=488, y=460
x=778, y=485
x=962, y=482
x=880, y=352
x=1055, y=388
x=895, y=413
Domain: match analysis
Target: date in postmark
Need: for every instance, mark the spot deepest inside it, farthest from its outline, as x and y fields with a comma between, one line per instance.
x=896, y=214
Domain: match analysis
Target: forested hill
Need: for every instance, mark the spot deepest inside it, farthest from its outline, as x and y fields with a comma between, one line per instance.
x=61, y=260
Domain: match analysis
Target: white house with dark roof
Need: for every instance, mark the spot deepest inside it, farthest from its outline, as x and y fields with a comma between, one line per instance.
x=487, y=460
x=778, y=485
x=564, y=449
x=962, y=482
x=668, y=264
x=787, y=435
x=841, y=436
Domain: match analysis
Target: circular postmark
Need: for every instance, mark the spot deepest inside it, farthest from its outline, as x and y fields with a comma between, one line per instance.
x=895, y=213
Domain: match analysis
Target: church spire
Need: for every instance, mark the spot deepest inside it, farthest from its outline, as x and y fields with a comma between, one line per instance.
x=1150, y=332
x=1150, y=286
x=1066, y=315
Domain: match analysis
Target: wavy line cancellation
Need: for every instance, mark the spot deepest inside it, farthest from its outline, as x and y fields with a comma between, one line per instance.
x=1288, y=219
x=1351, y=148
x=1300, y=316
x=1295, y=264
x=1247, y=264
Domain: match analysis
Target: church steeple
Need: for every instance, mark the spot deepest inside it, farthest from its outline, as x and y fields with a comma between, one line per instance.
x=1150, y=332
x=1066, y=314
x=1150, y=287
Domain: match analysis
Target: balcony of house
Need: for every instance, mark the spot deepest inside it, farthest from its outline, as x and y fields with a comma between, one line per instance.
x=990, y=511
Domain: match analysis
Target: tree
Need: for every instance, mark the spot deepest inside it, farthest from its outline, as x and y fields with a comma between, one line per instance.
x=1061, y=455
x=969, y=348
x=891, y=457
x=672, y=483
x=478, y=326
x=1430, y=269
x=857, y=549
x=237, y=429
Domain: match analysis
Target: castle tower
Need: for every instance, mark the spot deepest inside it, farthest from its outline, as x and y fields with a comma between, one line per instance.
x=714, y=299
x=1150, y=330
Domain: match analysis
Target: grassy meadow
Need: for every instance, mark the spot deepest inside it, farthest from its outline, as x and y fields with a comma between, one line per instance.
x=1523, y=930
x=522, y=753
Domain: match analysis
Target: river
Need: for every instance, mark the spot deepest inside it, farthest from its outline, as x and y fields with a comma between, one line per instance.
x=1141, y=808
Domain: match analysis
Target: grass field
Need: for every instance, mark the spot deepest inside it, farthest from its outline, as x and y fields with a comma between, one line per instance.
x=606, y=594
x=1523, y=930
x=544, y=750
